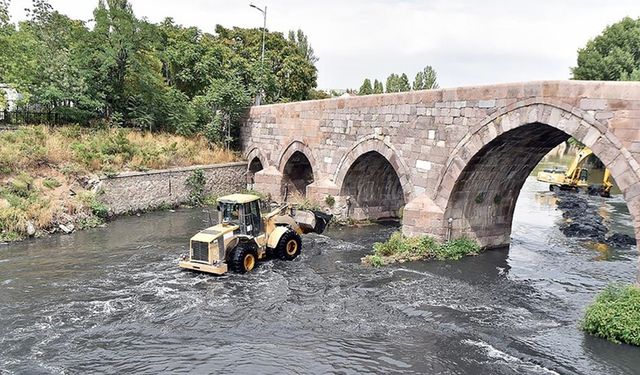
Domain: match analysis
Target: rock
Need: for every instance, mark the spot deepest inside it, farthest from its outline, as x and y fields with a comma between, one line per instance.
x=620, y=240
x=31, y=229
x=69, y=228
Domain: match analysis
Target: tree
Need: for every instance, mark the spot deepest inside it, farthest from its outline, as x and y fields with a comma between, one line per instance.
x=392, y=83
x=366, y=88
x=403, y=83
x=613, y=55
x=418, y=82
x=426, y=79
x=301, y=41
x=377, y=87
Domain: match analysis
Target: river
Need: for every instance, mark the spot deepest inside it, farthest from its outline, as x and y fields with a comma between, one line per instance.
x=112, y=300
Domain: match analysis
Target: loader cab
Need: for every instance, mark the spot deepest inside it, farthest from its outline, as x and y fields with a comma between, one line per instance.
x=242, y=210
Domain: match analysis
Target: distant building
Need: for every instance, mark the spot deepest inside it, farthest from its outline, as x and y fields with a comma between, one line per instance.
x=12, y=96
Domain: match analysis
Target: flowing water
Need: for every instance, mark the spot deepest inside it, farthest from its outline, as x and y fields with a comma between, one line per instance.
x=112, y=300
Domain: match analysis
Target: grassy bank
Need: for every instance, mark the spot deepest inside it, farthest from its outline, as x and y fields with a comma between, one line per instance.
x=44, y=172
x=398, y=249
x=615, y=315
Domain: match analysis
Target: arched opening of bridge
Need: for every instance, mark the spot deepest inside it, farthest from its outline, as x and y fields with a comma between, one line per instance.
x=255, y=166
x=373, y=188
x=297, y=175
x=483, y=200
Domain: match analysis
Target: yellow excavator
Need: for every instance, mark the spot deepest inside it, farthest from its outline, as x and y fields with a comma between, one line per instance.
x=576, y=177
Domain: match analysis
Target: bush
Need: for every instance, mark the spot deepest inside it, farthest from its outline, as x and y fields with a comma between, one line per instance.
x=456, y=249
x=330, y=200
x=399, y=248
x=51, y=183
x=615, y=315
x=196, y=184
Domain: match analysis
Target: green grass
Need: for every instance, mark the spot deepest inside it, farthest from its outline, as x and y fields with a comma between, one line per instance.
x=399, y=248
x=615, y=315
x=51, y=183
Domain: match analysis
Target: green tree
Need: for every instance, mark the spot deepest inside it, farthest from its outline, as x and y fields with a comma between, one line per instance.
x=392, y=83
x=302, y=43
x=222, y=106
x=418, y=82
x=613, y=55
x=377, y=87
x=426, y=79
x=403, y=83
x=366, y=88
x=3, y=100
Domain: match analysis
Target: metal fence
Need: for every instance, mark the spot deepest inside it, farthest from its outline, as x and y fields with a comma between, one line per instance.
x=8, y=118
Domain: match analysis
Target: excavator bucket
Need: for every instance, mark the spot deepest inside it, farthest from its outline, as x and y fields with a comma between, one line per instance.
x=312, y=221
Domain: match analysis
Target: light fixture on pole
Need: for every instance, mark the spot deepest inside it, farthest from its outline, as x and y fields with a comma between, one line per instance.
x=264, y=27
x=264, y=32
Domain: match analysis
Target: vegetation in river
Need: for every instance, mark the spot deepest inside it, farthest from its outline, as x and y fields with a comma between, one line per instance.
x=615, y=315
x=400, y=248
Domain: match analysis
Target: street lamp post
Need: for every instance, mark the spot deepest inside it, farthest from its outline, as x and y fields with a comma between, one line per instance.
x=264, y=32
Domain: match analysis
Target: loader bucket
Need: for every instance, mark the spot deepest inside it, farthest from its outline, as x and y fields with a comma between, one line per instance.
x=311, y=221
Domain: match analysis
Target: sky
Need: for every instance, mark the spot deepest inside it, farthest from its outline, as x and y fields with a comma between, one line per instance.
x=467, y=42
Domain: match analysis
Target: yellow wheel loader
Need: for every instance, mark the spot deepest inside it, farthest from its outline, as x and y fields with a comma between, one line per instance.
x=243, y=236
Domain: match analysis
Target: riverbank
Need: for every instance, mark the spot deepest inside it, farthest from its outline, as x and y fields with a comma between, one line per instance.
x=53, y=179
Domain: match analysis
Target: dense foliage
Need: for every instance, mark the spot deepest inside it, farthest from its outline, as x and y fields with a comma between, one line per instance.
x=615, y=315
x=123, y=70
x=613, y=55
x=399, y=248
x=425, y=79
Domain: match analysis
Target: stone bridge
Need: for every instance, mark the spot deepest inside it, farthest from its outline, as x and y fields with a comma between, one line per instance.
x=450, y=162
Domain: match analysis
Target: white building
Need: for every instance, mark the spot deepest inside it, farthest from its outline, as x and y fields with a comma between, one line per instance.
x=12, y=97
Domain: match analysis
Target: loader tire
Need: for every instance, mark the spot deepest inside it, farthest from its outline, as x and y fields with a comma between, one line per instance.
x=289, y=246
x=244, y=258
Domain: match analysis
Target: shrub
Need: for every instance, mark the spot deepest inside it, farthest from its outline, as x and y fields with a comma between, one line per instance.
x=456, y=249
x=51, y=183
x=615, y=315
x=330, y=200
x=399, y=248
x=196, y=184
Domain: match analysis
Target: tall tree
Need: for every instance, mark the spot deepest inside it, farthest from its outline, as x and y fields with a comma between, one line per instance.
x=613, y=55
x=429, y=78
x=418, y=82
x=403, y=83
x=366, y=88
x=426, y=79
x=304, y=47
x=392, y=83
x=377, y=87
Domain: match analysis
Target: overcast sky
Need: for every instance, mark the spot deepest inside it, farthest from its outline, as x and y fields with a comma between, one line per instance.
x=467, y=42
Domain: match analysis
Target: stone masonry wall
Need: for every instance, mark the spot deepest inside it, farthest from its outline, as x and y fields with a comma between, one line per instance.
x=137, y=191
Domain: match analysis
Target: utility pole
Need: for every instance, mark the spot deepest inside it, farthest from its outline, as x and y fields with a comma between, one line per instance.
x=264, y=34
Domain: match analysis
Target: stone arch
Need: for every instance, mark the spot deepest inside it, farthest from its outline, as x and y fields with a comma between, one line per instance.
x=254, y=153
x=483, y=176
x=298, y=168
x=293, y=147
x=375, y=144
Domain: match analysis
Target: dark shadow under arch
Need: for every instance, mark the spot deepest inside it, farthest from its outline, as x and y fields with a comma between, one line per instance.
x=373, y=188
x=297, y=175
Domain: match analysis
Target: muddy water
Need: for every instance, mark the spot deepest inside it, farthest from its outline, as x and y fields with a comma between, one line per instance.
x=111, y=300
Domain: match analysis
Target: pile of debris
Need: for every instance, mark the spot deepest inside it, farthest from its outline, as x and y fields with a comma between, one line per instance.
x=584, y=221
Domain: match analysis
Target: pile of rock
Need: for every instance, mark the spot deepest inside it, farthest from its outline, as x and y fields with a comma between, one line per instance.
x=584, y=221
